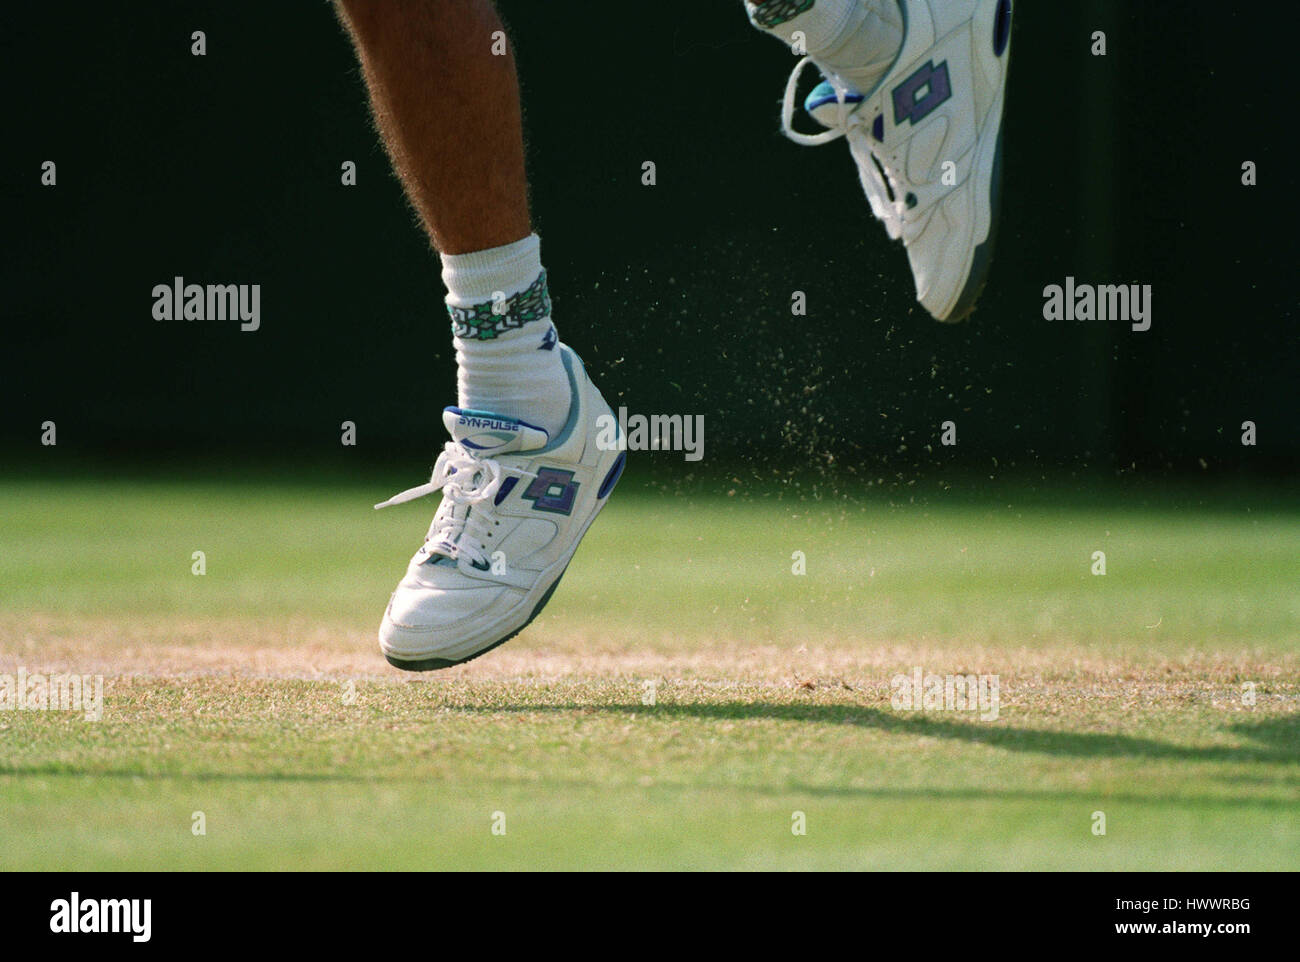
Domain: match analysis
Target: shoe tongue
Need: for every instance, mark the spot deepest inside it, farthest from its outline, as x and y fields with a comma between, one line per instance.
x=823, y=103
x=491, y=434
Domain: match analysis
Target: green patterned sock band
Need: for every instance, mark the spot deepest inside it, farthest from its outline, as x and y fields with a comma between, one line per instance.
x=491, y=319
x=773, y=13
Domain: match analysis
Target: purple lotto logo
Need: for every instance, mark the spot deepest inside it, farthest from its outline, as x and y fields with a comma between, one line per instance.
x=922, y=93
x=552, y=490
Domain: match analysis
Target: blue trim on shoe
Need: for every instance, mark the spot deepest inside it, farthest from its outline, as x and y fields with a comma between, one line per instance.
x=569, y=357
x=479, y=413
x=611, y=479
x=1002, y=28
x=507, y=486
x=824, y=93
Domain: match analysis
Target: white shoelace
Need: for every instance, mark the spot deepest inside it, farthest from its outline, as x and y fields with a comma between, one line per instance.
x=846, y=117
x=843, y=117
x=467, y=482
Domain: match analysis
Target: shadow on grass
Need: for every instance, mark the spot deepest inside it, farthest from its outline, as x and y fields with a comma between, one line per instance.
x=1275, y=740
x=420, y=782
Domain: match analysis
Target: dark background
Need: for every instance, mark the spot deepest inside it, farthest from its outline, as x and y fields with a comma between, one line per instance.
x=226, y=169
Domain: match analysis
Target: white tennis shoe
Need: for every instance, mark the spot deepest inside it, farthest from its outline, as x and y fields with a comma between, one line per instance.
x=928, y=142
x=515, y=504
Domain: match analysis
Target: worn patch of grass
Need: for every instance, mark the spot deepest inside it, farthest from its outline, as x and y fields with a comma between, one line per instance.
x=1164, y=695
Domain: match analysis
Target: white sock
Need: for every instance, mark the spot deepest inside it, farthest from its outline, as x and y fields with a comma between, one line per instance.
x=507, y=350
x=857, y=39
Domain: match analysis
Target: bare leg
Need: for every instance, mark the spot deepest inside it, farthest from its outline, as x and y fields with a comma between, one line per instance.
x=447, y=108
x=445, y=95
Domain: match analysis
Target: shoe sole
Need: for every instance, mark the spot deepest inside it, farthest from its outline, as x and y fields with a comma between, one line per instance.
x=436, y=664
x=982, y=262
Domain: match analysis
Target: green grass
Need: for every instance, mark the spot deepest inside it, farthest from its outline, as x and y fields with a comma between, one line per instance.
x=254, y=693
